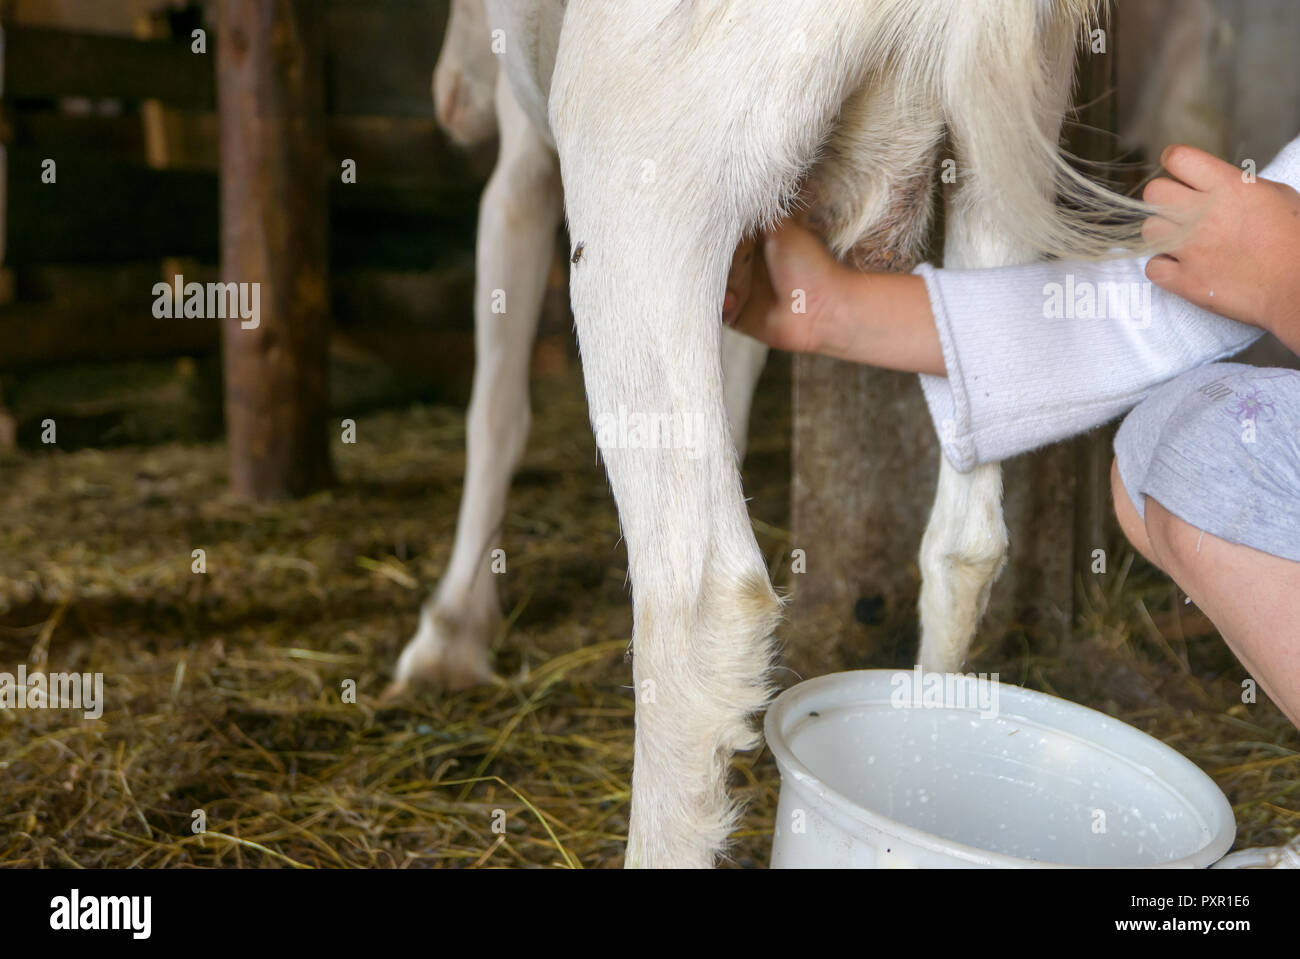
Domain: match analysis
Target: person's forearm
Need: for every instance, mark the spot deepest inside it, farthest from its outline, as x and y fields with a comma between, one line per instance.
x=883, y=320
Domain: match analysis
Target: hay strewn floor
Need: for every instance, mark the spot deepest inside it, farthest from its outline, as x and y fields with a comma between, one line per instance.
x=223, y=689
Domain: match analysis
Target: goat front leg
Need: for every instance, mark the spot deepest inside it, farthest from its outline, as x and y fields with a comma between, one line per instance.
x=518, y=217
x=661, y=177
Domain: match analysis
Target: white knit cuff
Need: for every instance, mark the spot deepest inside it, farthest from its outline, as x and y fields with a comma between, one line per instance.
x=1285, y=167
x=945, y=395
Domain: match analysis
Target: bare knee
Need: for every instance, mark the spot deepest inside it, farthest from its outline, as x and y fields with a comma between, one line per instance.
x=1174, y=542
x=1129, y=521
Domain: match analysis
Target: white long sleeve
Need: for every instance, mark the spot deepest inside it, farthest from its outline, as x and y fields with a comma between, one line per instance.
x=1042, y=352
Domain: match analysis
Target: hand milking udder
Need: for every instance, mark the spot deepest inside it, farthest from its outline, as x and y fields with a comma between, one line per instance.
x=739, y=283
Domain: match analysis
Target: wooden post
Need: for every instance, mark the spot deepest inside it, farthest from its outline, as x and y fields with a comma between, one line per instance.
x=865, y=461
x=8, y=424
x=1094, y=139
x=274, y=210
x=5, y=136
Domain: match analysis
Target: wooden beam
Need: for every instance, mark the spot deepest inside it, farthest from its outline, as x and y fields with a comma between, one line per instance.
x=107, y=213
x=395, y=313
x=114, y=140
x=275, y=234
x=410, y=148
x=41, y=334
x=100, y=212
x=45, y=63
x=37, y=336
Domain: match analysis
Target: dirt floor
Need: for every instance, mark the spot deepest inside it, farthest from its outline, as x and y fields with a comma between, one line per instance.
x=223, y=689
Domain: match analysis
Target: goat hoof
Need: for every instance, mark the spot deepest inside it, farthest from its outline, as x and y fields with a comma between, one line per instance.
x=446, y=652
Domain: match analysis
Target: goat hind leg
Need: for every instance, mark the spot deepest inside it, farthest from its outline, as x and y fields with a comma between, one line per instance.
x=703, y=609
x=647, y=297
x=965, y=543
x=518, y=218
x=963, y=551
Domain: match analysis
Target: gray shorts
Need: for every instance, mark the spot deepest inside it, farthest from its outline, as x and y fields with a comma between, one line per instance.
x=1219, y=447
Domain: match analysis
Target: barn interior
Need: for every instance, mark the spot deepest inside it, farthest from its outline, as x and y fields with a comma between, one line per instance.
x=246, y=614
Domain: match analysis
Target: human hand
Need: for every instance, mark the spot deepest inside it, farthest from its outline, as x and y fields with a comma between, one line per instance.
x=794, y=285
x=740, y=282
x=1233, y=245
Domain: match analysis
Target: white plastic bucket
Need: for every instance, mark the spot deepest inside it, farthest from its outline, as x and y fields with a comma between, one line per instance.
x=1037, y=782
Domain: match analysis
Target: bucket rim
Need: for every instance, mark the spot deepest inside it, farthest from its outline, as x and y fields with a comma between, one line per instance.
x=804, y=780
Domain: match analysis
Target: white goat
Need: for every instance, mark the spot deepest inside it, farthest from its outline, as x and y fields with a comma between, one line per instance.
x=681, y=126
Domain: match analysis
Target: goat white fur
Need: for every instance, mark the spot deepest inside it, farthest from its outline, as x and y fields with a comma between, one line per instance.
x=680, y=126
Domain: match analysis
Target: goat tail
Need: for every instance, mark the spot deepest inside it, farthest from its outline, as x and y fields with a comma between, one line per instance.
x=1005, y=87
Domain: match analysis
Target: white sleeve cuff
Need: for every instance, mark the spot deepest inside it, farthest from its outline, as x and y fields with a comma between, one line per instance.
x=1033, y=358
x=1038, y=353
x=1285, y=167
x=946, y=395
